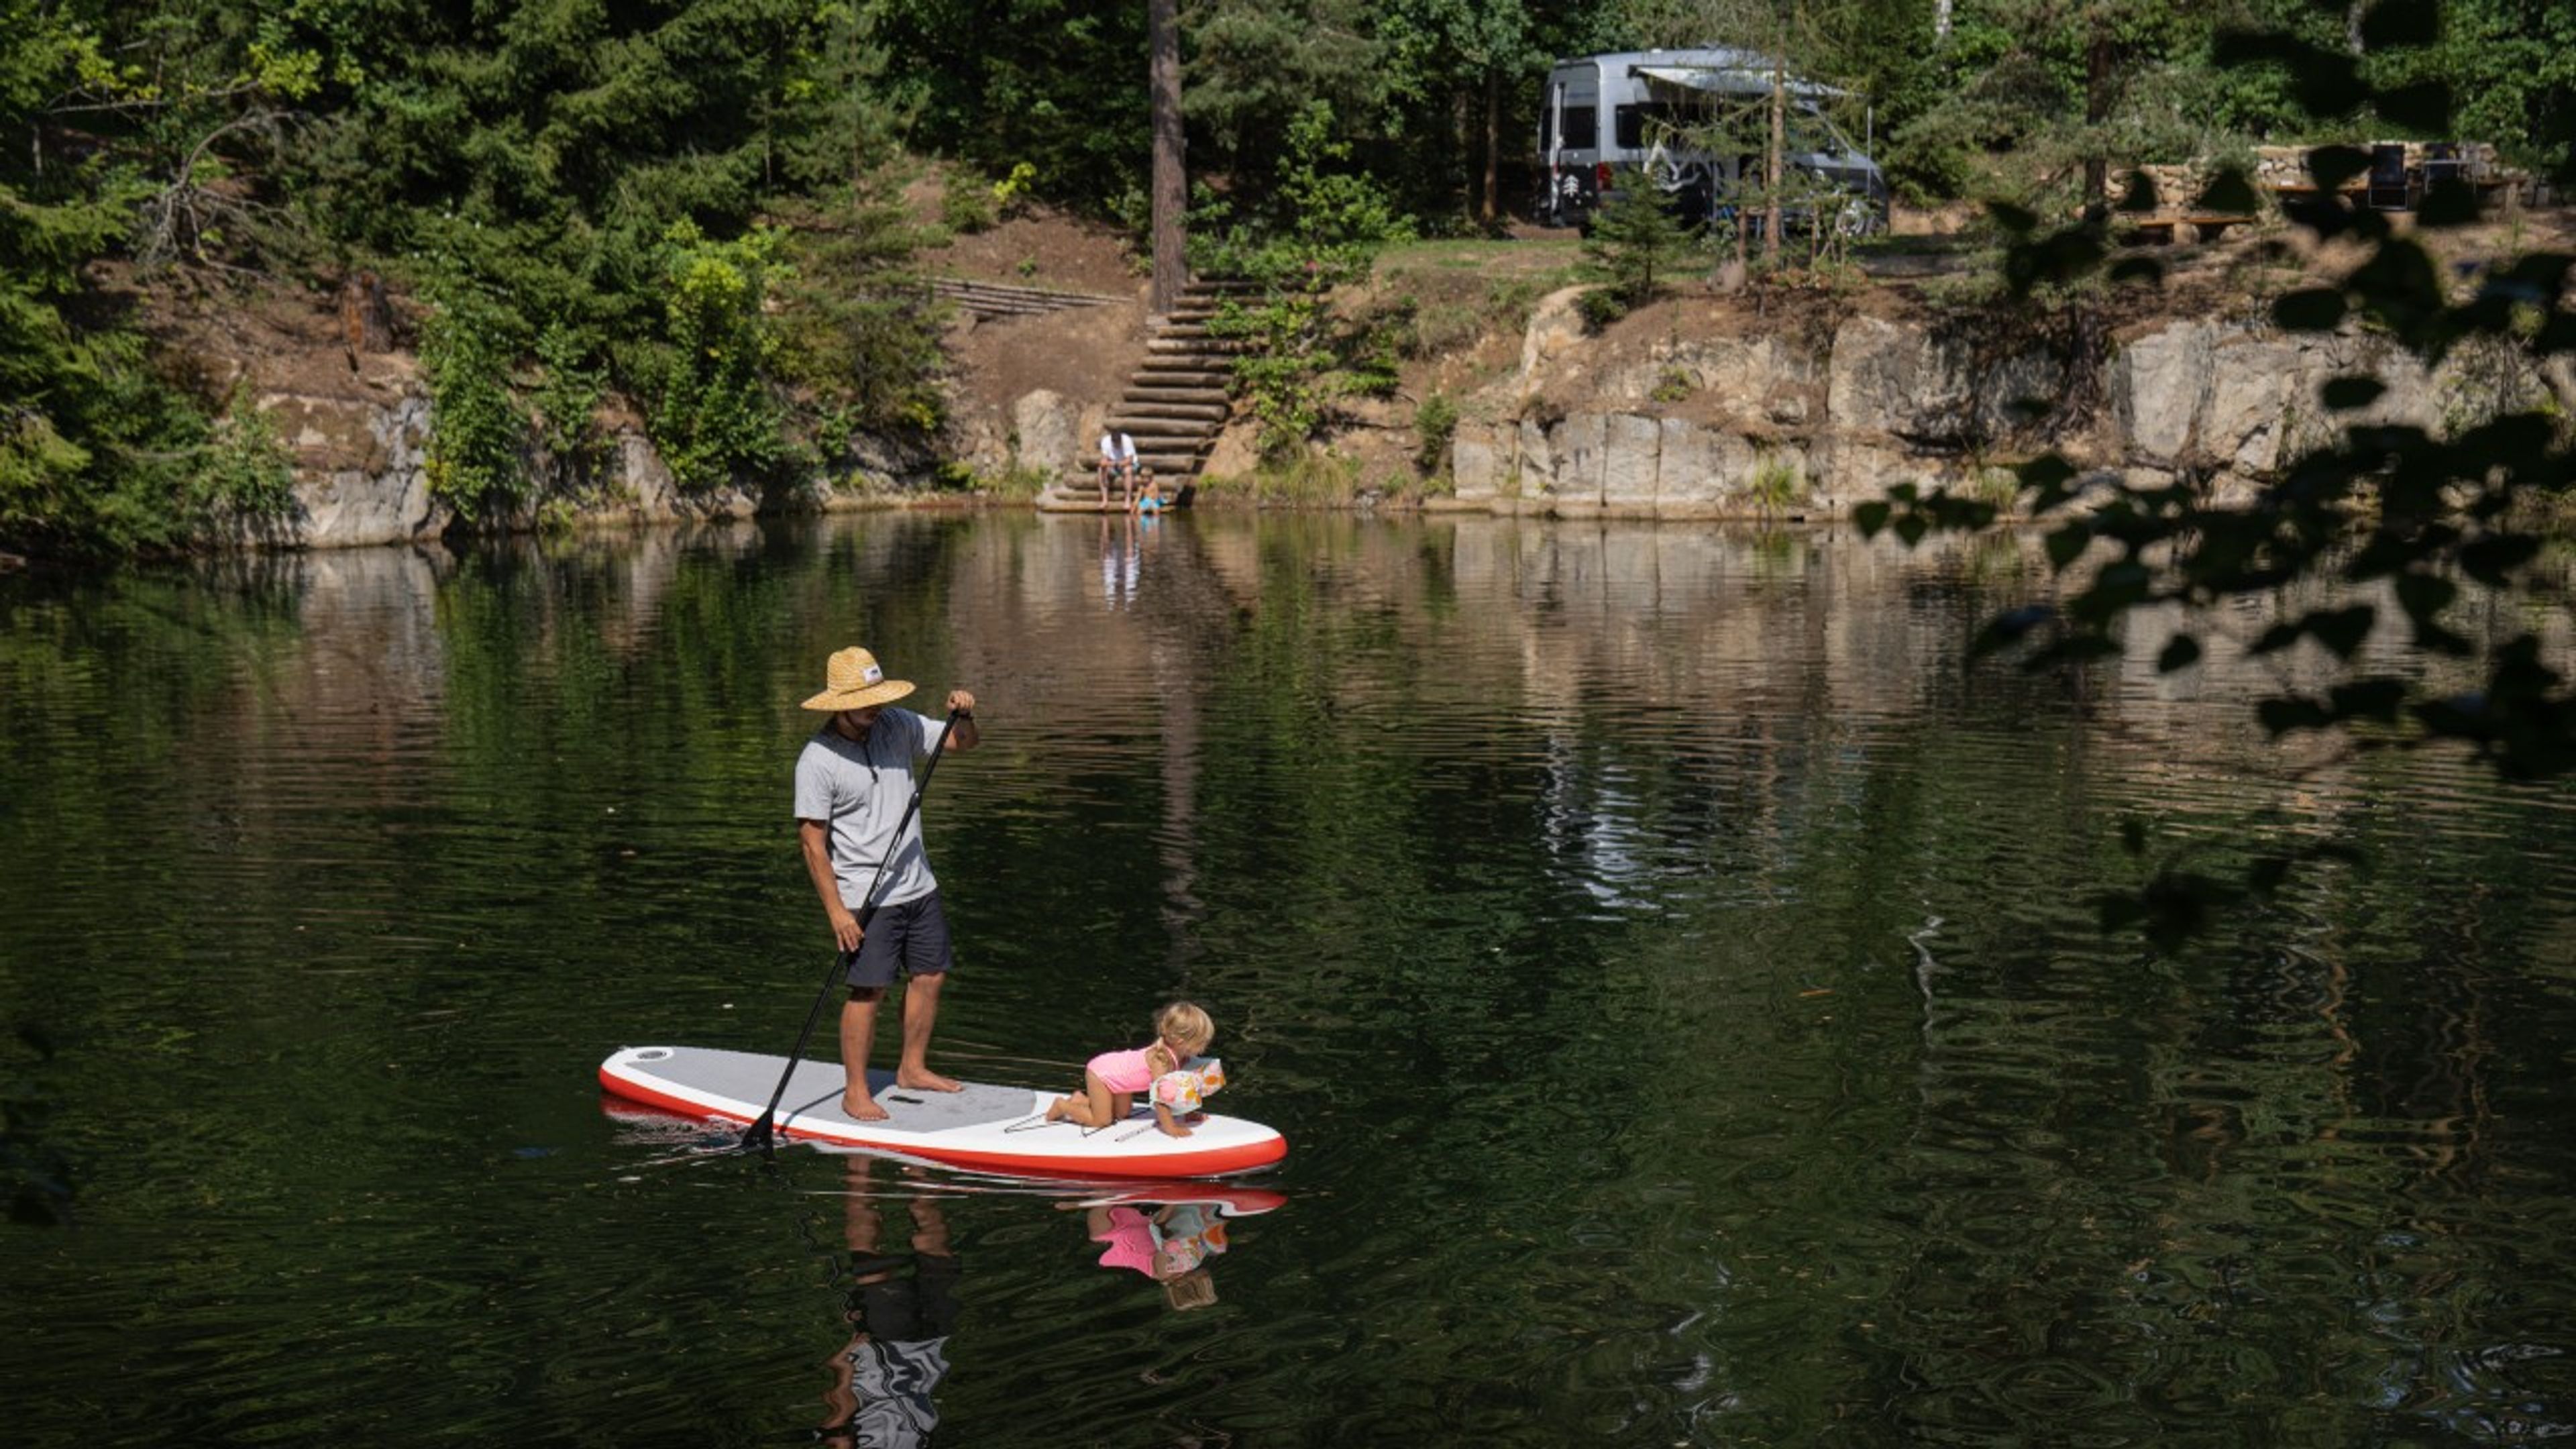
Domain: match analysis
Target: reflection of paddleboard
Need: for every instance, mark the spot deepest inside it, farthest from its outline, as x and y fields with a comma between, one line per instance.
x=984, y=1127
x=1231, y=1202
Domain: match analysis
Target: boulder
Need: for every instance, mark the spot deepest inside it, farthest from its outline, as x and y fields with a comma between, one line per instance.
x=381, y=498
x=2255, y=387
x=1045, y=431
x=2159, y=382
x=1630, y=448
x=1581, y=445
x=1479, y=452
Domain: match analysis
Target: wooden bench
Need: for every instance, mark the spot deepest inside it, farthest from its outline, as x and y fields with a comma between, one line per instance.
x=2160, y=231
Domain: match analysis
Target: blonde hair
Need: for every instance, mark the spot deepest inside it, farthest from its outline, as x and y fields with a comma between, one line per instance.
x=1193, y=1289
x=1183, y=1024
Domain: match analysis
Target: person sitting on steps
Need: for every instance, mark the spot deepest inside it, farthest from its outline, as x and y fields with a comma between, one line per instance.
x=1117, y=463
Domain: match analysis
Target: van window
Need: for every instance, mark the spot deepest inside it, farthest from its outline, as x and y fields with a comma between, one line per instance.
x=1640, y=126
x=1582, y=128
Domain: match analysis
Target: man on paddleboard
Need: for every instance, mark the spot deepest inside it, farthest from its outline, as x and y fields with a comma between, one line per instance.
x=854, y=785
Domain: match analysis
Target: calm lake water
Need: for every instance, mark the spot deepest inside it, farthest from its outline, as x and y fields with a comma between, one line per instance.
x=1675, y=971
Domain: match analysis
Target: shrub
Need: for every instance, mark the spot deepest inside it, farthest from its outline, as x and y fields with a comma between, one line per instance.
x=566, y=402
x=968, y=206
x=1435, y=427
x=477, y=445
x=1600, y=307
x=713, y=416
x=243, y=468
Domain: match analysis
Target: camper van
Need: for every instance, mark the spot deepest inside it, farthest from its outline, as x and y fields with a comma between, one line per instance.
x=1624, y=119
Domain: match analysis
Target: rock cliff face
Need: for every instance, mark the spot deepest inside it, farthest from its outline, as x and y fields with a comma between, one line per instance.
x=361, y=476
x=1774, y=427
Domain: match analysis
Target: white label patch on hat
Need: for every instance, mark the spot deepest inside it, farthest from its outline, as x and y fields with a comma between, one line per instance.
x=872, y=675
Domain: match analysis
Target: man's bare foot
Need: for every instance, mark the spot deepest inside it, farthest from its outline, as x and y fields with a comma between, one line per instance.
x=923, y=1079
x=862, y=1109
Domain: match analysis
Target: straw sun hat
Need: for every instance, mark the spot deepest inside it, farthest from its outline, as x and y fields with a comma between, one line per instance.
x=852, y=680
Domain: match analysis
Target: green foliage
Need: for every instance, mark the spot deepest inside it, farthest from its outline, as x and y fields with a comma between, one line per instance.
x=572, y=383
x=523, y=168
x=1635, y=240
x=244, y=468
x=1303, y=359
x=1776, y=484
x=858, y=334
x=968, y=204
x=713, y=415
x=1600, y=307
x=1011, y=193
x=1435, y=427
x=479, y=437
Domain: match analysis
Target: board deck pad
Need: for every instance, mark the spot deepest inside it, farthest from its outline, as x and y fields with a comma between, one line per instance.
x=986, y=1127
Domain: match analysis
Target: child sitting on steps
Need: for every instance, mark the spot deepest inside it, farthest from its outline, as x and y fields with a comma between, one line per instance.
x=1181, y=1032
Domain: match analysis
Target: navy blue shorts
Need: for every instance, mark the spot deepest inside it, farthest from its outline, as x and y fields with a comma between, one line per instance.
x=912, y=936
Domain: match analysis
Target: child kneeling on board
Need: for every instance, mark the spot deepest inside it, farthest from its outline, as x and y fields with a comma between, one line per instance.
x=1173, y=1072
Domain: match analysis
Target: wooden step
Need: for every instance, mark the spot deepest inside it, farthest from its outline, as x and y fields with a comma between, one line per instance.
x=1150, y=446
x=1190, y=371
x=1014, y=292
x=1195, y=346
x=1171, y=414
x=1210, y=394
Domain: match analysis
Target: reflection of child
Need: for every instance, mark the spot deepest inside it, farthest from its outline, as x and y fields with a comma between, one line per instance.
x=1164, y=1069
x=1171, y=1247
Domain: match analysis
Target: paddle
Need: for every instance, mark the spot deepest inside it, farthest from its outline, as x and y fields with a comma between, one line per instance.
x=759, y=1134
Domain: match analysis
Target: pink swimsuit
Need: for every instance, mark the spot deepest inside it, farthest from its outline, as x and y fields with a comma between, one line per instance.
x=1123, y=1071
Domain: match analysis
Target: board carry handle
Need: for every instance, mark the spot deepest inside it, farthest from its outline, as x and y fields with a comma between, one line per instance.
x=761, y=1134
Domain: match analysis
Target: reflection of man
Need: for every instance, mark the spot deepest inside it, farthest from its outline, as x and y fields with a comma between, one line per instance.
x=1121, y=562
x=883, y=1378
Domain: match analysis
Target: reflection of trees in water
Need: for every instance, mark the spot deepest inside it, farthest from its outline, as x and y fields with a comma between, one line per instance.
x=1557, y=825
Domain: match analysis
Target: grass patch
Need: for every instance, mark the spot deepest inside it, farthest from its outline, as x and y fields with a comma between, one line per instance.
x=1310, y=480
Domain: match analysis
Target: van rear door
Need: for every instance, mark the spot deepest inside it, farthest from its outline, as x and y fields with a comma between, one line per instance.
x=1570, y=129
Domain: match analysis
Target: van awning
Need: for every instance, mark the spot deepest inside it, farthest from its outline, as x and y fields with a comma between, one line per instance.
x=1730, y=81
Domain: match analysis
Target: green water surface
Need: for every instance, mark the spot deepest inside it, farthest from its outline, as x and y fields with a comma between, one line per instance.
x=1675, y=971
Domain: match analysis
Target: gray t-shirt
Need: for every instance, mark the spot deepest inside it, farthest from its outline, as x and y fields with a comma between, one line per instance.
x=860, y=788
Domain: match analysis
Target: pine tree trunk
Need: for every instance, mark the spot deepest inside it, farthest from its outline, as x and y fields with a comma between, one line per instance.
x=2097, y=113
x=1771, y=160
x=1493, y=205
x=1171, y=184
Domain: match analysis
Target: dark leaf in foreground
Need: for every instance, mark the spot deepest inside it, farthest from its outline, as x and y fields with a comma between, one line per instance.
x=2311, y=309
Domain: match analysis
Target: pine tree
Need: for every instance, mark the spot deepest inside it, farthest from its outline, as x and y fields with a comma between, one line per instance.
x=1635, y=238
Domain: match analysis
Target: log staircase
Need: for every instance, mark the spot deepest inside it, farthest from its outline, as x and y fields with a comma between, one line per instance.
x=1001, y=299
x=1177, y=400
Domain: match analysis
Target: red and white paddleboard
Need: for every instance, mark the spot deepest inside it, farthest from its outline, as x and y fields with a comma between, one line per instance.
x=985, y=1127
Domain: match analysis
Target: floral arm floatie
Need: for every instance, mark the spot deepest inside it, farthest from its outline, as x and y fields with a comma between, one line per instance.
x=1184, y=1089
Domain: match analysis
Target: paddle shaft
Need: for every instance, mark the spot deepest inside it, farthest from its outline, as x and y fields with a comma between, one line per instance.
x=759, y=1133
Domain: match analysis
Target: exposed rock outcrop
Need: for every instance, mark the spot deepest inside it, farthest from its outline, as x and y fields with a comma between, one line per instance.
x=1771, y=426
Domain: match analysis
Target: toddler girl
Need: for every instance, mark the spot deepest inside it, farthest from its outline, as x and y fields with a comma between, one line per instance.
x=1181, y=1032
